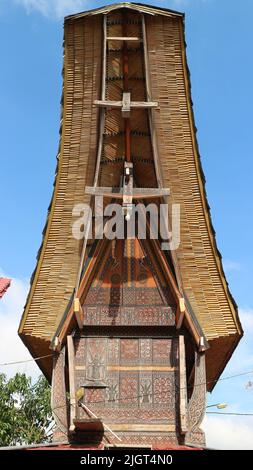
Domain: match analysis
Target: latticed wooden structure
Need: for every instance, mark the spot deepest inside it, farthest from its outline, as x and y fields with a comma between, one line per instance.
x=134, y=333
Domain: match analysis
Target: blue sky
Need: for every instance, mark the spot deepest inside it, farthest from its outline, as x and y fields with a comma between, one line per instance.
x=219, y=35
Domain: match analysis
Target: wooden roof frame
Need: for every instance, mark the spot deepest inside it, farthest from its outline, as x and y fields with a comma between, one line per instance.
x=140, y=7
x=72, y=317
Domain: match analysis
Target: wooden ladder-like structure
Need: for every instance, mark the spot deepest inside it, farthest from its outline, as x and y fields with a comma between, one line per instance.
x=127, y=192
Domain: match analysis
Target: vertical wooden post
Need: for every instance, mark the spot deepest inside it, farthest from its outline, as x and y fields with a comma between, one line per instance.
x=154, y=138
x=99, y=150
x=125, y=60
x=58, y=397
x=182, y=386
x=72, y=391
x=150, y=111
x=102, y=111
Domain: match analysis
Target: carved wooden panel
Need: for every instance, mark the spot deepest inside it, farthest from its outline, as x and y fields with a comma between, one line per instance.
x=58, y=398
x=197, y=403
x=128, y=290
x=139, y=376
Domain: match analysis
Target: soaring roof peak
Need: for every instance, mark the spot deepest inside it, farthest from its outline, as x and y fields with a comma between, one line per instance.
x=141, y=7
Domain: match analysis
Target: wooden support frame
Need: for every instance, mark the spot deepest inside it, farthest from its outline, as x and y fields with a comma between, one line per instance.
x=72, y=391
x=99, y=151
x=154, y=137
x=182, y=386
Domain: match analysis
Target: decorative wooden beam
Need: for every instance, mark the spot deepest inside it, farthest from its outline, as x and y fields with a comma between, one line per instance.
x=123, y=38
x=154, y=138
x=117, y=193
x=120, y=104
x=99, y=151
x=102, y=249
x=78, y=313
x=180, y=313
x=71, y=361
x=182, y=386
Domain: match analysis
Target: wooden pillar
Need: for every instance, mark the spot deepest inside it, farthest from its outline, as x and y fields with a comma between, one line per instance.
x=72, y=390
x=182, y=386
x=197, y=403
x=59, y=399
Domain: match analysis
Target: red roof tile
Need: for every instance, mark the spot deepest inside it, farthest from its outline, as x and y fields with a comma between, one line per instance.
x=4, y=284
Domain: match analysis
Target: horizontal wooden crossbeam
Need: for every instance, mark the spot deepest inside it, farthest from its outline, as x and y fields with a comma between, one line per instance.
x=123, y=38
x=136, y=193
x=119, y=104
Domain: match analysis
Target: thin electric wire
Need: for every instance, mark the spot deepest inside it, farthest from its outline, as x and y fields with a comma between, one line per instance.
x=35, y=359
x=227, y=413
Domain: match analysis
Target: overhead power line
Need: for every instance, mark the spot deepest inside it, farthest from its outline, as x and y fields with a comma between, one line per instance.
x=227, y=413
x=35, y=359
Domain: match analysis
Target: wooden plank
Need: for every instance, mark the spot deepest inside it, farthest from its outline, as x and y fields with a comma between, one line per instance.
x=108, y=104
x=99, y=153
x=89, y=425
x=142, y=427
x=122, y=104
x=102, y=115
x=182, y=386
x=137, y=193
x=78, y=313
x=72, y=391
x=150, y=115
x=180, y=313
x=154, y=139
x=123, y=38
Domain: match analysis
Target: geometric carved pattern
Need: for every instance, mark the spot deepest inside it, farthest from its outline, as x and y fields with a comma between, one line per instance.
x=58, y=397
x=139, y=376
x=126, y=290
x=197, y=404
x=118, y=315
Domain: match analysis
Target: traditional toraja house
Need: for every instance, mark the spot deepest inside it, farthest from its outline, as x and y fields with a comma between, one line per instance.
x=133, y=335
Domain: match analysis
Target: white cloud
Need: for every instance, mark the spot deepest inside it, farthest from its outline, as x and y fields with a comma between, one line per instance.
x=230, y=265
x=60, y=8
x=186, y=2
x=246, y=316
x=11, y=347
x=225, y=432
x=53, y=8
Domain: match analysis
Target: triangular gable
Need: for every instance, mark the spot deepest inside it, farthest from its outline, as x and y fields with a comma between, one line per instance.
x=128, y=289
x=128, y=282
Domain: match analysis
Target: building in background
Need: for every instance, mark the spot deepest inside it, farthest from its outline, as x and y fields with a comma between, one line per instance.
x=4, y=285
x=134, y=335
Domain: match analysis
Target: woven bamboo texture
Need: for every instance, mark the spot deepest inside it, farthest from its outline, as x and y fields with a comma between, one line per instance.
x=59, y=258
x=199, y=262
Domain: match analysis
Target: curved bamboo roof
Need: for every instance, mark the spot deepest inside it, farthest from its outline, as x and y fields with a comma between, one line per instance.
x=198, y=259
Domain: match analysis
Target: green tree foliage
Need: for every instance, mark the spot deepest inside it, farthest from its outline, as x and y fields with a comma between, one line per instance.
x=25, y=412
